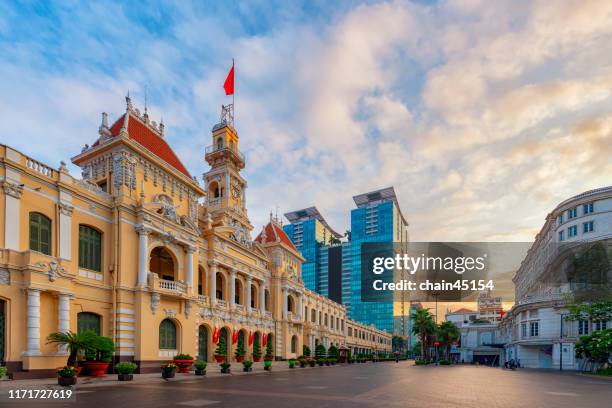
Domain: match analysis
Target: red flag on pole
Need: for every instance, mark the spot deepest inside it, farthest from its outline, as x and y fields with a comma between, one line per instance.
x=228, y=85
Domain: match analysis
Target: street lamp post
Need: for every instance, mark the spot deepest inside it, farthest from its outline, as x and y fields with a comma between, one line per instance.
x=561, y=343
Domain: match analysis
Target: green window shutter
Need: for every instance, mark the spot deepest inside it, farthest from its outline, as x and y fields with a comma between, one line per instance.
x=40, y=233
x=90, y=248
x=167, y=335
x=88, y=321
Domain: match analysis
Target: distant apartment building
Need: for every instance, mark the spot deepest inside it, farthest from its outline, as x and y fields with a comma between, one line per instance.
x=490, y=308
x=333, y=268
x=534, y=330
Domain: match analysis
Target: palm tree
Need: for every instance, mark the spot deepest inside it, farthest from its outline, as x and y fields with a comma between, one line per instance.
x=75, y=342
x=423, y=326
x=447, y=334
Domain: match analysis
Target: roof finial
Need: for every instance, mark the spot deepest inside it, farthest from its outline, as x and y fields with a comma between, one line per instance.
x=128, y=102
x=145, y=116
x=161, y=127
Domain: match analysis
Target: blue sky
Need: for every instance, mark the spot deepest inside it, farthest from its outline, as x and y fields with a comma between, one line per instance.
x=483, y=115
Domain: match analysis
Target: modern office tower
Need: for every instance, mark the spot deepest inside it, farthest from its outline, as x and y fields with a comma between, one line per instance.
x=377, y=218
x=311, y=235
x=333, y=268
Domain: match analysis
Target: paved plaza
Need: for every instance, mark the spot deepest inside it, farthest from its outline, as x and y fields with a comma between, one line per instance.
x=365, y=385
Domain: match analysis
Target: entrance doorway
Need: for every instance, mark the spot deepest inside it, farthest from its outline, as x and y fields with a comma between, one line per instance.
x=203, y=343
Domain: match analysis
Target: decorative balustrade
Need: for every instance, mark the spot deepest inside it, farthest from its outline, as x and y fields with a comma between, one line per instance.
x=221, y=303
x=214, y=149
x=39, y=167
x=203, y=299
x=172, y=286
x=268, y=315
x=214, y=201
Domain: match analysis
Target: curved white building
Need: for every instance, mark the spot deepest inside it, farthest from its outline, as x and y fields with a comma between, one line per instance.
x=534, y=330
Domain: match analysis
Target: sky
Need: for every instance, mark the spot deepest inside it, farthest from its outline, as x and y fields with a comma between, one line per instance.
x=483, y=115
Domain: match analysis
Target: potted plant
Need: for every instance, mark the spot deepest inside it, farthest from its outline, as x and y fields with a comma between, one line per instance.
x=247, y=366
x=125, y=371
x=256, y=351
x=306, y=351
x=292, y=363
x=240, y=351
x=99, y=356
x=268, y=357
x=66, y=376
x=225, y=367
x=221, y=351
x=168, y=370
x=200, y=367
x=321, y=362
x=320, y=353
x=333, y=361
x=75, y=343
x=328, y=361
x=312, y=362
x=303, y=362
x=3, y=371
x=184, y=362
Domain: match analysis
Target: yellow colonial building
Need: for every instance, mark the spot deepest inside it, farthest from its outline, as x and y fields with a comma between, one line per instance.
x=138, y=251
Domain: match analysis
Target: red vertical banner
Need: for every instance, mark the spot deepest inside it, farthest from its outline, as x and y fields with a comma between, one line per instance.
x=235, y=337
x=264, y=342
x=251, y=338
x=216, y=334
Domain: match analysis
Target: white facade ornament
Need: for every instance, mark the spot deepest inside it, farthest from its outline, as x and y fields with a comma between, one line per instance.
x=155, y=298
x=12, y=189
x=66, y=209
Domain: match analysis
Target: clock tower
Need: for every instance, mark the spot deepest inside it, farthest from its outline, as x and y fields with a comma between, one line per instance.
x=226, y=199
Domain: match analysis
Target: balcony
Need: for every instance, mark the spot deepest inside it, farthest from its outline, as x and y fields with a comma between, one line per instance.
x=202, y=299
x=213, y=152
x=221, y=303
x=166, y=286
x=269, y=315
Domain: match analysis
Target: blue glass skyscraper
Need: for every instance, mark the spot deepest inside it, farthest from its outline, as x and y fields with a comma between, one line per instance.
x=333, y=269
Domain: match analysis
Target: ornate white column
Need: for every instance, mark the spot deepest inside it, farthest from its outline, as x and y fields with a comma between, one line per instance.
x=262, y=299
x=232, y=287
x=65, y=230
x=301, y=306
x=248, y=293
x=33, y=330
x=143, y=254
x=63, y=315
x=285, y=303
x=213, y=282
x=190, y=251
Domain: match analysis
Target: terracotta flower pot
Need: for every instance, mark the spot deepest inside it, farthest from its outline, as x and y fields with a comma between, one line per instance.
x=183, y=365
x=257, y=359
x=219, y=359
x=97, y=368
x=239, y=359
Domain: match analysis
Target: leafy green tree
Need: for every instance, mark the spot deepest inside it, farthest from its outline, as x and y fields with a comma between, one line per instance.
x=596, y=348
x=425, y=327
x=306, y=351
x=447, y=334
x=333, y=352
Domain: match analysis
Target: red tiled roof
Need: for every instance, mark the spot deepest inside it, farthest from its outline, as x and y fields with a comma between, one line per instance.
x=140, y=133
x=462, y=311
x=275, y=233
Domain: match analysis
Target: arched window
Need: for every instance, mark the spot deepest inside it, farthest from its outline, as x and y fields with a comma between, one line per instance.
x=90, y=248
x=219, y=289
x=290, y=304
x=294, y=341
x=215, y=191
x=201, y=280
x=162, y=263
x=267, y=299
x=40, y=233
x=238, y=292
x=167, y=335
x=253, y=290
x=313, y=315
x=88, y=321
x=220, y=143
